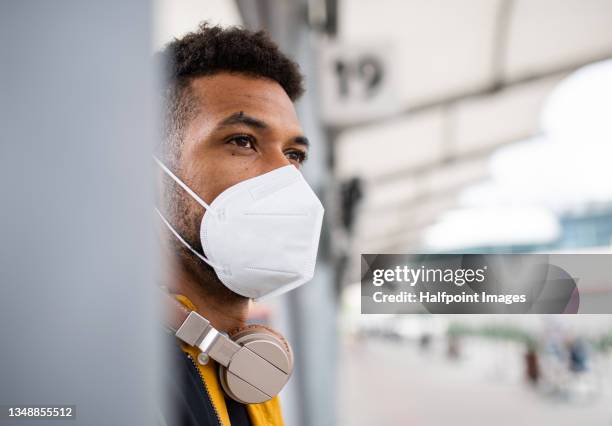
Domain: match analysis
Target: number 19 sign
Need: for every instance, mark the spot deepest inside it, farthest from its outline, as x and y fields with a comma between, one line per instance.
x=357, y=83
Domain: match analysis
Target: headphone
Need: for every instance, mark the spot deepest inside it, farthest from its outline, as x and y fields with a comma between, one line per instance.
x=255, y=362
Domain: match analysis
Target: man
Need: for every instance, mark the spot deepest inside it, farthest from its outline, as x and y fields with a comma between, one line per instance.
x=239, y=221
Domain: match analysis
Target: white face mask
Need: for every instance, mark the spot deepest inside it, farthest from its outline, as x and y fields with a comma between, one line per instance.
x=261, y=235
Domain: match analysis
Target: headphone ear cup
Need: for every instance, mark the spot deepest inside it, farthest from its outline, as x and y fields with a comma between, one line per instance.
x=269, y=345
x=238, y=334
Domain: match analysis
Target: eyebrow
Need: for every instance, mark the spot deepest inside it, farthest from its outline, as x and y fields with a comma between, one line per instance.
x=242, y=118
x=301, y=140
x=247, y=120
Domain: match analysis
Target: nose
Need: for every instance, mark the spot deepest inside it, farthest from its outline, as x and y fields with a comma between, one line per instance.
x=273, y=160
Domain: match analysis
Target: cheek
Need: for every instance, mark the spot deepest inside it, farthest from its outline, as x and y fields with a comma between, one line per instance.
x=217, y=176
x=216, y=169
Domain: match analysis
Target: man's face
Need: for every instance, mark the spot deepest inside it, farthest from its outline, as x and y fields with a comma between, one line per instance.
x=244, y=127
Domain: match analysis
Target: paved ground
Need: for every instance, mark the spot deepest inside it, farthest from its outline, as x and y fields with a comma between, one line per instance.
x=386, y=383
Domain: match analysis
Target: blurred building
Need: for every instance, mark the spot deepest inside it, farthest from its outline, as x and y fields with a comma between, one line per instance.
x=472, y=78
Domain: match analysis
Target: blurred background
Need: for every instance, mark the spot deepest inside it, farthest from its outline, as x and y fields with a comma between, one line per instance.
x=444, y=126
x=436, y=126
x=476, y=126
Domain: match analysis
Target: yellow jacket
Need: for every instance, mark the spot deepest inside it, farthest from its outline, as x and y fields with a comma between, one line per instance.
x=265, y=414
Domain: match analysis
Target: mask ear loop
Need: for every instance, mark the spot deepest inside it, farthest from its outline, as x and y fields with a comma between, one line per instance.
x=195, y=197
x=182, y=185
x=185, y=243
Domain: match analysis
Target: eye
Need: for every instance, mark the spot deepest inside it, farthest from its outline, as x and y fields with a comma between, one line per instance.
x=296, y=155
x=242, y=141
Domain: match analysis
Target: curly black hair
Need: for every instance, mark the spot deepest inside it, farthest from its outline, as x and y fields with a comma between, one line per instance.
x=210, y=50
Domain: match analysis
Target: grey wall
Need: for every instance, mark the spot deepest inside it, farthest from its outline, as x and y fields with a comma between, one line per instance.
x=76, y=258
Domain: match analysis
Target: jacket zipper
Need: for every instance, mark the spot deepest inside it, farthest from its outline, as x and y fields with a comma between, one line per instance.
x=205, y=386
